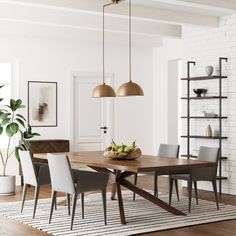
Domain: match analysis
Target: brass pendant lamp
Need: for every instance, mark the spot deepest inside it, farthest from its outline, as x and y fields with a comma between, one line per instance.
x=104, y=90
x=130, y=88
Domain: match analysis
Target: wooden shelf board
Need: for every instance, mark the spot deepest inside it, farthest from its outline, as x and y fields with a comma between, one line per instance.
x=205, y=78
x=222, y=178
x=205, y=97
x=203, y=117
x=193, y=156
x=223, y=158
x=202, y=137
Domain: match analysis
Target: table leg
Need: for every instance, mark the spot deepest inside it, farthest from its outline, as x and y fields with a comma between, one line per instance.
x=150, y=197
x=113, y=187
x=113, y=191
x=120, y=202
x=116, y=188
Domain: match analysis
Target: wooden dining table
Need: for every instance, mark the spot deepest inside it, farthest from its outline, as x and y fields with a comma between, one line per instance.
x=119, y=170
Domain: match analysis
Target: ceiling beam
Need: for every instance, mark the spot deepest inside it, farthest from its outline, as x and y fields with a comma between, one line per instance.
x=143, y=13
x=81, y=20
x=17, y=28
x=225, y=4
x=218, y=6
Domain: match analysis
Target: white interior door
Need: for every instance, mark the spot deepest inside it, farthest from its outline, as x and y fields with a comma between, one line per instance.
x=92, y=125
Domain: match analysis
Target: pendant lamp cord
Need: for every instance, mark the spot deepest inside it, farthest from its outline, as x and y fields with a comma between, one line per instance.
x=130, y=67
x=103, y=45
x=103, y=37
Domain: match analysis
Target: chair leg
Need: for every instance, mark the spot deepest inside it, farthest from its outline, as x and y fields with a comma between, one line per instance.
x=177, y=189
x=195, y=188
x=215, y=192
x=68, y=203
x=23, y=197
x=104, y=201
x=189, y=195
x=36, y=196
x=155, y=184
x=55, y=200
x=73, y=210
x=170, y=189
x=54, y=193
x=135, y=183
x=82, y=204
x=22, y=180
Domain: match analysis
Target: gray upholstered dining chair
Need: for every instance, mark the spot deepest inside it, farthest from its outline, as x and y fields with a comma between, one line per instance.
x=200, y=174
x=165, y=150
x=74, y=182
x=35, y=174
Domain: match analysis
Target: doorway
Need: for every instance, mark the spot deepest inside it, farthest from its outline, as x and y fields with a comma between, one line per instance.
x=91, y=118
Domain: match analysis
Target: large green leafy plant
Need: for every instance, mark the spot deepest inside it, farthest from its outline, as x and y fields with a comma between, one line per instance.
x=11, y=124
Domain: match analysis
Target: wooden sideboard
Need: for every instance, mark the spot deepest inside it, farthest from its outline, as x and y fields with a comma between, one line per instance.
x=49, y=145
x=46, y=146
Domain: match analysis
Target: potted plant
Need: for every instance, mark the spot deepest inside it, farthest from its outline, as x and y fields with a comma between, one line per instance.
x=11, y=124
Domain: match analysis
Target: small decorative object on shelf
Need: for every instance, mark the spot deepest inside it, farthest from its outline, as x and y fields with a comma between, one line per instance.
x=200, y=91
x=209, y=131
x=209, y=114
x=122, y=152
x=209, y=70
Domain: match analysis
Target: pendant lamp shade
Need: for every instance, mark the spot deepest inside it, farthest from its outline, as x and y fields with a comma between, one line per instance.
x=103, y=90
x=130, y=89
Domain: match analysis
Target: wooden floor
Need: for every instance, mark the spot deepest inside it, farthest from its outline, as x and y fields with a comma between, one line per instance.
x=225, y=228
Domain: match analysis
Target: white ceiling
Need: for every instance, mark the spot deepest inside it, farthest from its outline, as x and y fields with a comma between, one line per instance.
x=152, y=19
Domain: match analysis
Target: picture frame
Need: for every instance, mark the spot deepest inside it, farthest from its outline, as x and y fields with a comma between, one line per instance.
x=42, y=104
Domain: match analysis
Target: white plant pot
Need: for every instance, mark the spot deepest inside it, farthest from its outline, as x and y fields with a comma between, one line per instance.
x=7, y=185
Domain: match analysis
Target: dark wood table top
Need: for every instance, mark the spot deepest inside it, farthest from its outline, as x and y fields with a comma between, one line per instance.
x=145, y=163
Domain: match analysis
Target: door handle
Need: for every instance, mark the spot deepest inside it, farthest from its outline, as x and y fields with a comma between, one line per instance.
x=104, y=129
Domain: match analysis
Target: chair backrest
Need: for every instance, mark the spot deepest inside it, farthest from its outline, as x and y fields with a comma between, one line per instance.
x=207, y=173
x=28, y=168
x=208, y=154
x=60, y=173
x=168, y=150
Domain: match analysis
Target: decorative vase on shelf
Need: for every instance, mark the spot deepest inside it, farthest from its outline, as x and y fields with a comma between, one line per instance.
x=209, y=70
x=209, y=131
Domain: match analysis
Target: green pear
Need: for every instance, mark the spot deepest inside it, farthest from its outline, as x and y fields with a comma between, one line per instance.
x=127, y=149
x=120, y=150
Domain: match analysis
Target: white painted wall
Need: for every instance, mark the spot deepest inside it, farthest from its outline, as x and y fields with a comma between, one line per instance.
x=45, y=59
x=173, y=101
x=205, y=46
x=165, y=90
x=134, y=115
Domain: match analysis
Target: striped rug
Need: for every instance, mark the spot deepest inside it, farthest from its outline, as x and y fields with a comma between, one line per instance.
x=141, y=215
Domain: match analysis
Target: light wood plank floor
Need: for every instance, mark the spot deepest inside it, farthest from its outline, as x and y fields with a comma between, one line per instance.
x=225, y=228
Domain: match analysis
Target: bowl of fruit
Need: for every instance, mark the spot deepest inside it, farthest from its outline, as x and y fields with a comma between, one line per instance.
x=122, y=152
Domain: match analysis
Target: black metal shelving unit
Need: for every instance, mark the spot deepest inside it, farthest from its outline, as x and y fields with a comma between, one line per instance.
x=188, y=117
x=204, y=98
x=203, y=117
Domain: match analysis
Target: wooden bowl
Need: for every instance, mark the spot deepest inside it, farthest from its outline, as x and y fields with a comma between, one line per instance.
x=136, y=153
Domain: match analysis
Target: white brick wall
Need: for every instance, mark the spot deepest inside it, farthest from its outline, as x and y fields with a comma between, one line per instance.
x=205, y=46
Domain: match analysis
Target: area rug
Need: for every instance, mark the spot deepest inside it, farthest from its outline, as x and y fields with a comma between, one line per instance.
x=141, y=215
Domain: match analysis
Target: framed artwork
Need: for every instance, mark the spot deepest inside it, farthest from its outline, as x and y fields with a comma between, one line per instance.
x=42, y=104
